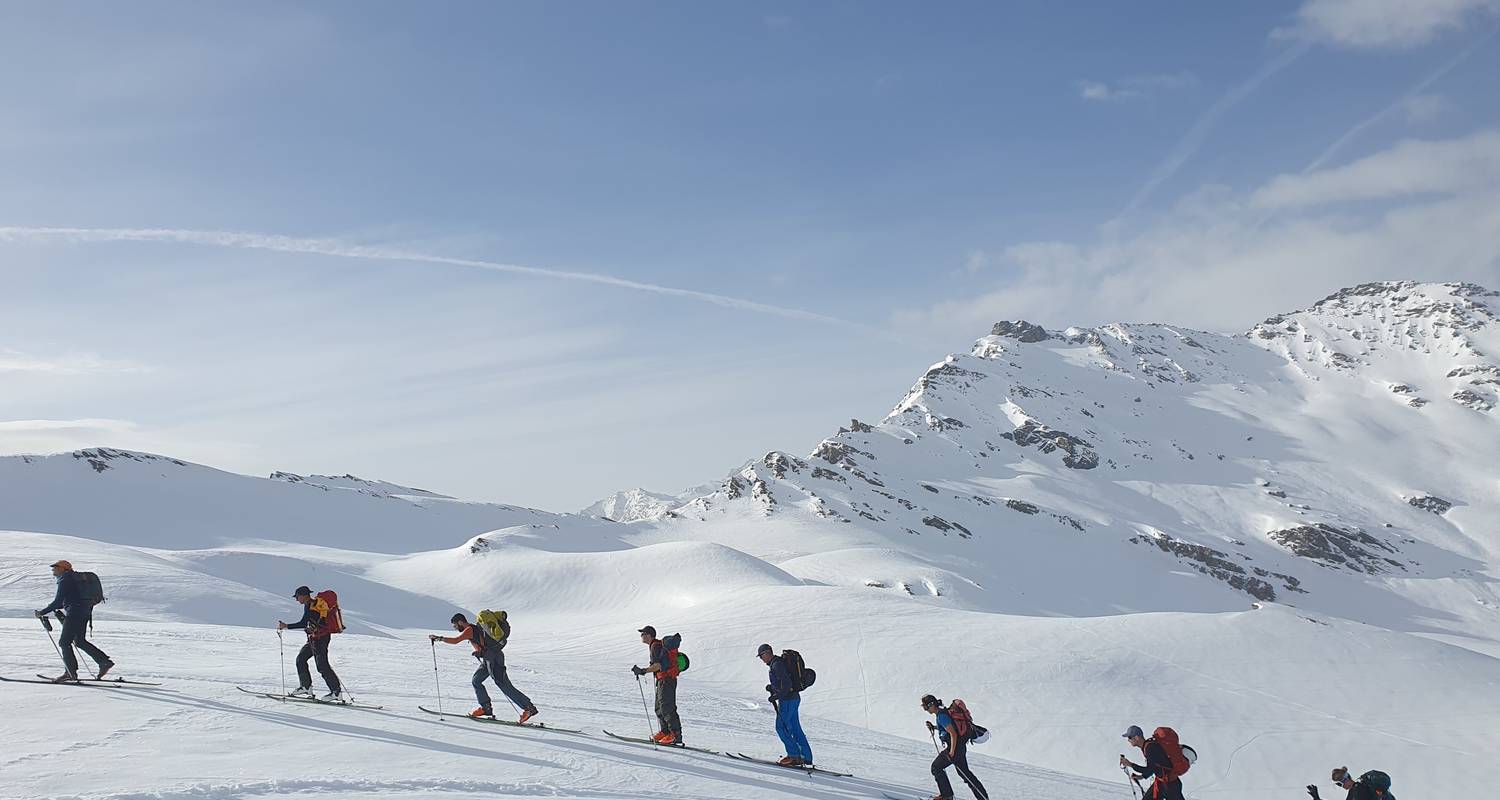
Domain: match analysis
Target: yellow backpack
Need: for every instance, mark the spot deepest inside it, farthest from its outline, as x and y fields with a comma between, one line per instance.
x=495, y=625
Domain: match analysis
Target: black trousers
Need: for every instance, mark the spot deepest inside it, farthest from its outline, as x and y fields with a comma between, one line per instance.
x=666, y=706
x=316, y=649
x=75, y=630
x=1171, y=790
x=960, y=764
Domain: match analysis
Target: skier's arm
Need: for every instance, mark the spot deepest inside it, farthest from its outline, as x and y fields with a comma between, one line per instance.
x=307, y=616
x=60, y=600
x=952, y=739
x=467, y=635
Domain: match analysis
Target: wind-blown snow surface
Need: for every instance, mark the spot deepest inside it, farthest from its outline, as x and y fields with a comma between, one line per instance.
x=1065, y=529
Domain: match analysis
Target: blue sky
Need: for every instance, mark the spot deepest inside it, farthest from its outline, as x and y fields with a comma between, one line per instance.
x=819, y=199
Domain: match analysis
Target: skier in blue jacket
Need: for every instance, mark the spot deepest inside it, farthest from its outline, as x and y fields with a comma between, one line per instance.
x=786, y=700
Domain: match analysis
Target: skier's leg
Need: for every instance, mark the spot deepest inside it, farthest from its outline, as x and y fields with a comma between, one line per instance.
x=72, y=631
x=480, y=693
x=661, y=708
x=784, y=732
x=961, y=766
x=86, y=646
x=304, y=675
x=794, y=728
x=320, y=652
x=502, y=679
x=940, y=774
x=674, y=722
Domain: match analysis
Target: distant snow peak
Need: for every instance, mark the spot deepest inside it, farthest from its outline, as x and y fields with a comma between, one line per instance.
x=354, y=483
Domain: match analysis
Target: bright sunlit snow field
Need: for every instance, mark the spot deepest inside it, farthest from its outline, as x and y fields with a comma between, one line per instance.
x=1067, y=530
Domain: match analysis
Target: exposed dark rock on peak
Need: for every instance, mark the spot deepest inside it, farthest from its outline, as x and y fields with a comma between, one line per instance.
x=1077, y=452
x=1427, y=502
x=1021, y=331
x=1338, y=547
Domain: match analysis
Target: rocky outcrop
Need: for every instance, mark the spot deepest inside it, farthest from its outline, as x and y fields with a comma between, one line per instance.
x=1077, y=454
x=1338, y=547
x=1427, y=502
x=1217, y=564
x=1021, y=331
x=99, y=457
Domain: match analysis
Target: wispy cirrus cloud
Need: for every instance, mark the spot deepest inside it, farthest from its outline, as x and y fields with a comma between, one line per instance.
x=337, y=249
x=1418, y=210
x=1193, y=140
x=1134, y=87
x=1383, y=24
x=65, y=364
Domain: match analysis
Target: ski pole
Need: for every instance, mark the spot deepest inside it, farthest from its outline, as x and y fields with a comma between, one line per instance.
x=435, y=682
x=46, y=623
x=63, y=620
x=281, y=644
x=1135, y=785
x=644, y=707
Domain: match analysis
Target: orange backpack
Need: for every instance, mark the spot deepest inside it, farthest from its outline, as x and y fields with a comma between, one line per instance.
x=333, y=621
x=1167, y=738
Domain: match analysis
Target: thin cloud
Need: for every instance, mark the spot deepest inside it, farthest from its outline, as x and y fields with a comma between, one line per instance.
x=1134, y=86
x=16, y=426
x=336, y=249
x=1383, y=24
x=1193, y=140
x=1404, y=102
x=70, y=364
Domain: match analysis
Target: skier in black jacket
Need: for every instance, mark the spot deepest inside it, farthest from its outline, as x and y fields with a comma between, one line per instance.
x=1373, y=785
x=1166, y=786
x=77, y=613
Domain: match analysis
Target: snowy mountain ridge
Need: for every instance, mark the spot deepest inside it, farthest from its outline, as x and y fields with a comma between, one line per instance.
x=997, y=536
x=1252, y=460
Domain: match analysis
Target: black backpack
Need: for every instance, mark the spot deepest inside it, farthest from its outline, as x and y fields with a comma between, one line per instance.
x=89, y=589
x=802, y=677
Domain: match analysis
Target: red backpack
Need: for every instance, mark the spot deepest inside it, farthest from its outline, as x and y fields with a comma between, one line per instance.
x=1167, y=738
x=333, y=621
x=963, y=721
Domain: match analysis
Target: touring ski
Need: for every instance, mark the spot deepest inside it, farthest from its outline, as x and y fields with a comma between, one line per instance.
x=292, y=698
x=90, y=682
x=649, y=743
x=804, y=768
x=493, y=721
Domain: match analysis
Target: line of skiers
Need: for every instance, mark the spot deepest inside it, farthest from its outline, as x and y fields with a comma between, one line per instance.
x=1167, y=759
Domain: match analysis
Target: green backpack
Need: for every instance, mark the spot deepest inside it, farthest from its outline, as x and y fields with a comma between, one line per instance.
x=495, y=624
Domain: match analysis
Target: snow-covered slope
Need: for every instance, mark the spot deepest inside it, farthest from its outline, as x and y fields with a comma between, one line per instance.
x=1339, y=458
x=155, y=501
x=1066, y=529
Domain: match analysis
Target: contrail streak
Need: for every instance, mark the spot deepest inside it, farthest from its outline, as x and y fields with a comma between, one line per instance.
x=336, y=249
x=1192, y=141
x=1448, y=66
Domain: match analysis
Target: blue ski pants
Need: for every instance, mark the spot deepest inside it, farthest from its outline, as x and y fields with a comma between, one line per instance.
x=789, y=728
x=493, y=665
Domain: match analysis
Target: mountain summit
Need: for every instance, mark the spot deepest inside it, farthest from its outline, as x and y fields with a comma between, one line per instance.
x=1339, y=457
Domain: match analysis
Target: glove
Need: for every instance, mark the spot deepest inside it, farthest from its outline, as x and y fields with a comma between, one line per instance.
x=638, y=671
x=930, y=726
x=1313, y=791
x=280, y=626
x=769, y=690
x=432, y=637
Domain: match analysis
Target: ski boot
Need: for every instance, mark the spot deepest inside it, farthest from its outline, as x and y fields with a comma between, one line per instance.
x=481, y=713
x=66, y=677
x=527, y=714
x=790, y=761
x=302, y=691
x=105, y=668
x=333, y=697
